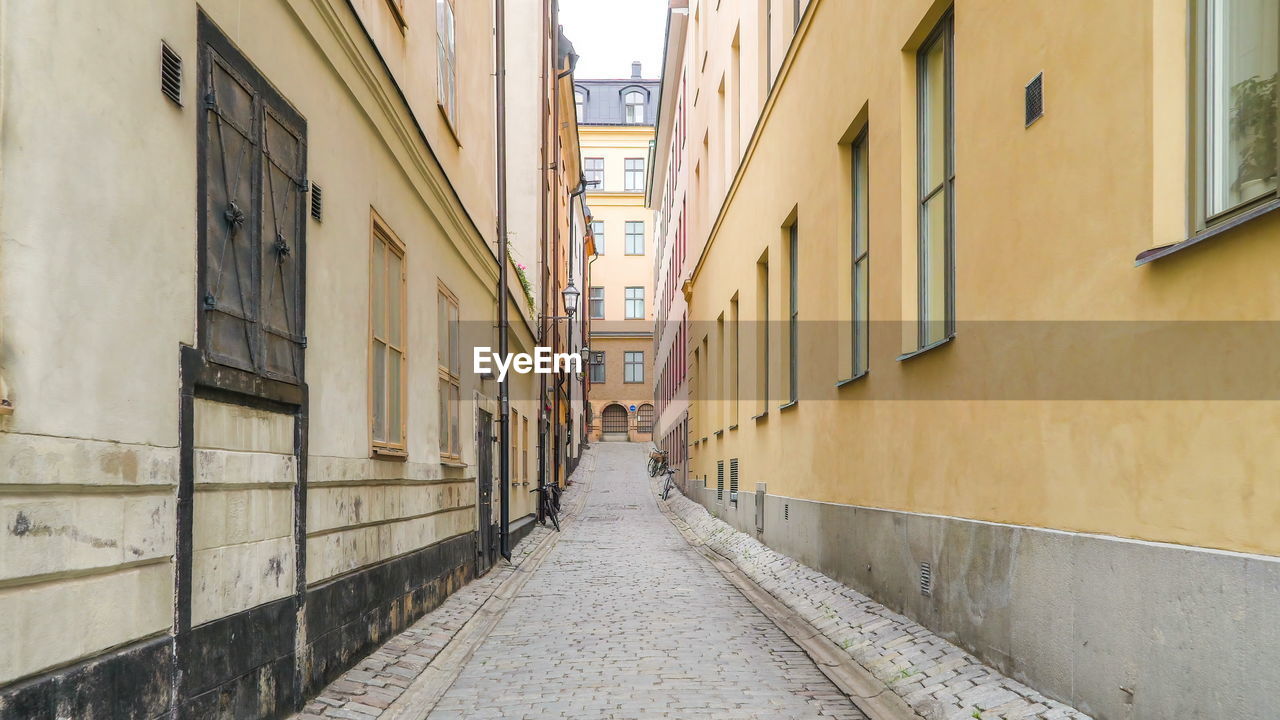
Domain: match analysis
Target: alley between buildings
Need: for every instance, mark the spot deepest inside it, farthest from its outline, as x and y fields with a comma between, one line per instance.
x=622, y=619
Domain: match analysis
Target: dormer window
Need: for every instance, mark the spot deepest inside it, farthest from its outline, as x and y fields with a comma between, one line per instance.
x=634, y=101
x=579, y=100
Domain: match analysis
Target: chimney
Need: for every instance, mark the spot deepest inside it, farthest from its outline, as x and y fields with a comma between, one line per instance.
x=635, y=70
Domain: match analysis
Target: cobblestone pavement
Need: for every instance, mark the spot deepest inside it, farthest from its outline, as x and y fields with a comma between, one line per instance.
x=366, y=690
x=625, y=620
x=938, y=680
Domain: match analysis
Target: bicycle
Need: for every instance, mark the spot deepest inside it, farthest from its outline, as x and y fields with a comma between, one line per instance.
x=549, y=506
x=657, y=463
x=669, y=483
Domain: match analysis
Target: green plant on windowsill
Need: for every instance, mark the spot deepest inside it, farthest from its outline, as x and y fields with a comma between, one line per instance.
x=1254, y=112
x=521, y=272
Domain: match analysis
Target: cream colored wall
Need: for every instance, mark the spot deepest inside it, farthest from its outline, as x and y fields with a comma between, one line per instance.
x=1048, y=222
x=97, y=293
x=466, y=150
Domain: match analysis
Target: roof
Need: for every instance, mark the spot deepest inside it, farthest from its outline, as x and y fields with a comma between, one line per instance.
x=603, y=99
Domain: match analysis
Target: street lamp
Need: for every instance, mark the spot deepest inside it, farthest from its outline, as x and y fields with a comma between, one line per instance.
x=571, y=294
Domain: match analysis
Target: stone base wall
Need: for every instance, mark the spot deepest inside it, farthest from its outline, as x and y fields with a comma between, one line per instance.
x=1117, y=628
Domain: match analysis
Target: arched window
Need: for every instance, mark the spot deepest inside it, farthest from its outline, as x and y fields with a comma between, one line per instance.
x=634, y=101
x=644, y=418
x=579, y=100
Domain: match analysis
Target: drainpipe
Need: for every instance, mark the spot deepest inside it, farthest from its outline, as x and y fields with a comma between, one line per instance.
x=543, y=264
x=504, y=322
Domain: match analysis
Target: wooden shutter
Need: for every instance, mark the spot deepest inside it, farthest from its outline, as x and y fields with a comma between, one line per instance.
x=253, y=249
x=282, y=252
x=230, y=300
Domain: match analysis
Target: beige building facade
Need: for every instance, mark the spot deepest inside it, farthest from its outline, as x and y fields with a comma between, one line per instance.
x=616, y=120
x=241, y=436
x=979, y=324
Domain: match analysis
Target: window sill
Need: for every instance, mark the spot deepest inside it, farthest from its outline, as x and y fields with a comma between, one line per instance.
x=761, y=416
x=718, y=433
x=788, y=406
x=1156, y=253
x=852, y=380
x=733, y=426
x=387, y=453
x=444, y=115
x=926, y=348
x=452, y=463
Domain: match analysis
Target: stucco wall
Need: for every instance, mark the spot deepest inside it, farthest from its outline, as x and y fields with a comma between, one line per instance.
x=1048, y=222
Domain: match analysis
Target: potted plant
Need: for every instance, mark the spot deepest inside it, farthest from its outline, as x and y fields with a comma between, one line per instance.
x=1254, y=115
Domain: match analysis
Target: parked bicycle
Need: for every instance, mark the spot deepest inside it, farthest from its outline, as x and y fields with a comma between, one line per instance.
x=669, y=483
x=657, y=462
x=549, y=504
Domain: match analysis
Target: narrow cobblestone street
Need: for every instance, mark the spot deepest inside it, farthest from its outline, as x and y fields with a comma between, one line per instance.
x=625, y=620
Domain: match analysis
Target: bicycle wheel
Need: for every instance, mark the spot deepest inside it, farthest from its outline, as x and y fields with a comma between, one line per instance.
x=555, y=519
x=653, y=467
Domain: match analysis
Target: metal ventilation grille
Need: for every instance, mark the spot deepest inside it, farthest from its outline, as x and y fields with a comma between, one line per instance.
x=926, y=579
x=720, y=480
x=317, y=202
x=733, y=480
x=786, y=511
x=1035, y=99
x=170, y=74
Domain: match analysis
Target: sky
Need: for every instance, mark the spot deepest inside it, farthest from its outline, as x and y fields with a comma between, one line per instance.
x=609, y=34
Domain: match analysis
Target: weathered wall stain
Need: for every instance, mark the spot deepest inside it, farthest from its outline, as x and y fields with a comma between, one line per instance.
x=23, y=526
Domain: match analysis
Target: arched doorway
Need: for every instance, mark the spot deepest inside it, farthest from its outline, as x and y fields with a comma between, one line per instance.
x=613, y=423
x=644, y=418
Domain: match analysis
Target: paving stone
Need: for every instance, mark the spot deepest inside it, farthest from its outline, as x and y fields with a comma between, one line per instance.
x=625, y=620
x=886, y=643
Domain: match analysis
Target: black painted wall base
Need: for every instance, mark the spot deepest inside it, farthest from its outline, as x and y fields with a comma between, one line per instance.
x=347, y=617
x=246, y=665
x=129, y=683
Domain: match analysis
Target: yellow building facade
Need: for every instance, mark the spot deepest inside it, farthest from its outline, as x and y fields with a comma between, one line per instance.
x=967, y=304
x=616, y=121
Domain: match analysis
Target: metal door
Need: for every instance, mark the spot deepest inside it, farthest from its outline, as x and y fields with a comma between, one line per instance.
x=486, y=529
x=615, y=419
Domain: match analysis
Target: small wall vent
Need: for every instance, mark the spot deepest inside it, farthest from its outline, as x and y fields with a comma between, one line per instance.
x=733, y=480
x=317, y=203
x=719, y=481
x=1035, y=99
x=926, y=579
x=786, y=511
x=170, y=74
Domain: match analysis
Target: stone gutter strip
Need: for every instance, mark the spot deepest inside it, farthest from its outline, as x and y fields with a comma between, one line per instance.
x=425, y=656
x=933, y=678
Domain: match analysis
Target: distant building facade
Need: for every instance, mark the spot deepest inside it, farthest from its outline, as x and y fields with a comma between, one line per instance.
x=616, y=120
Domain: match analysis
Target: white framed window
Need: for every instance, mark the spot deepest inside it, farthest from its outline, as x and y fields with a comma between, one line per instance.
x=634, y=101
x=595, y=303
x=447, y=61
x=593, y=172
x=633, y=174
x=1238, y=70
x=597, y=366
x=579, y=101
x=597, y=232
x=633, y=366
x=635, y=303
x=634, y=241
